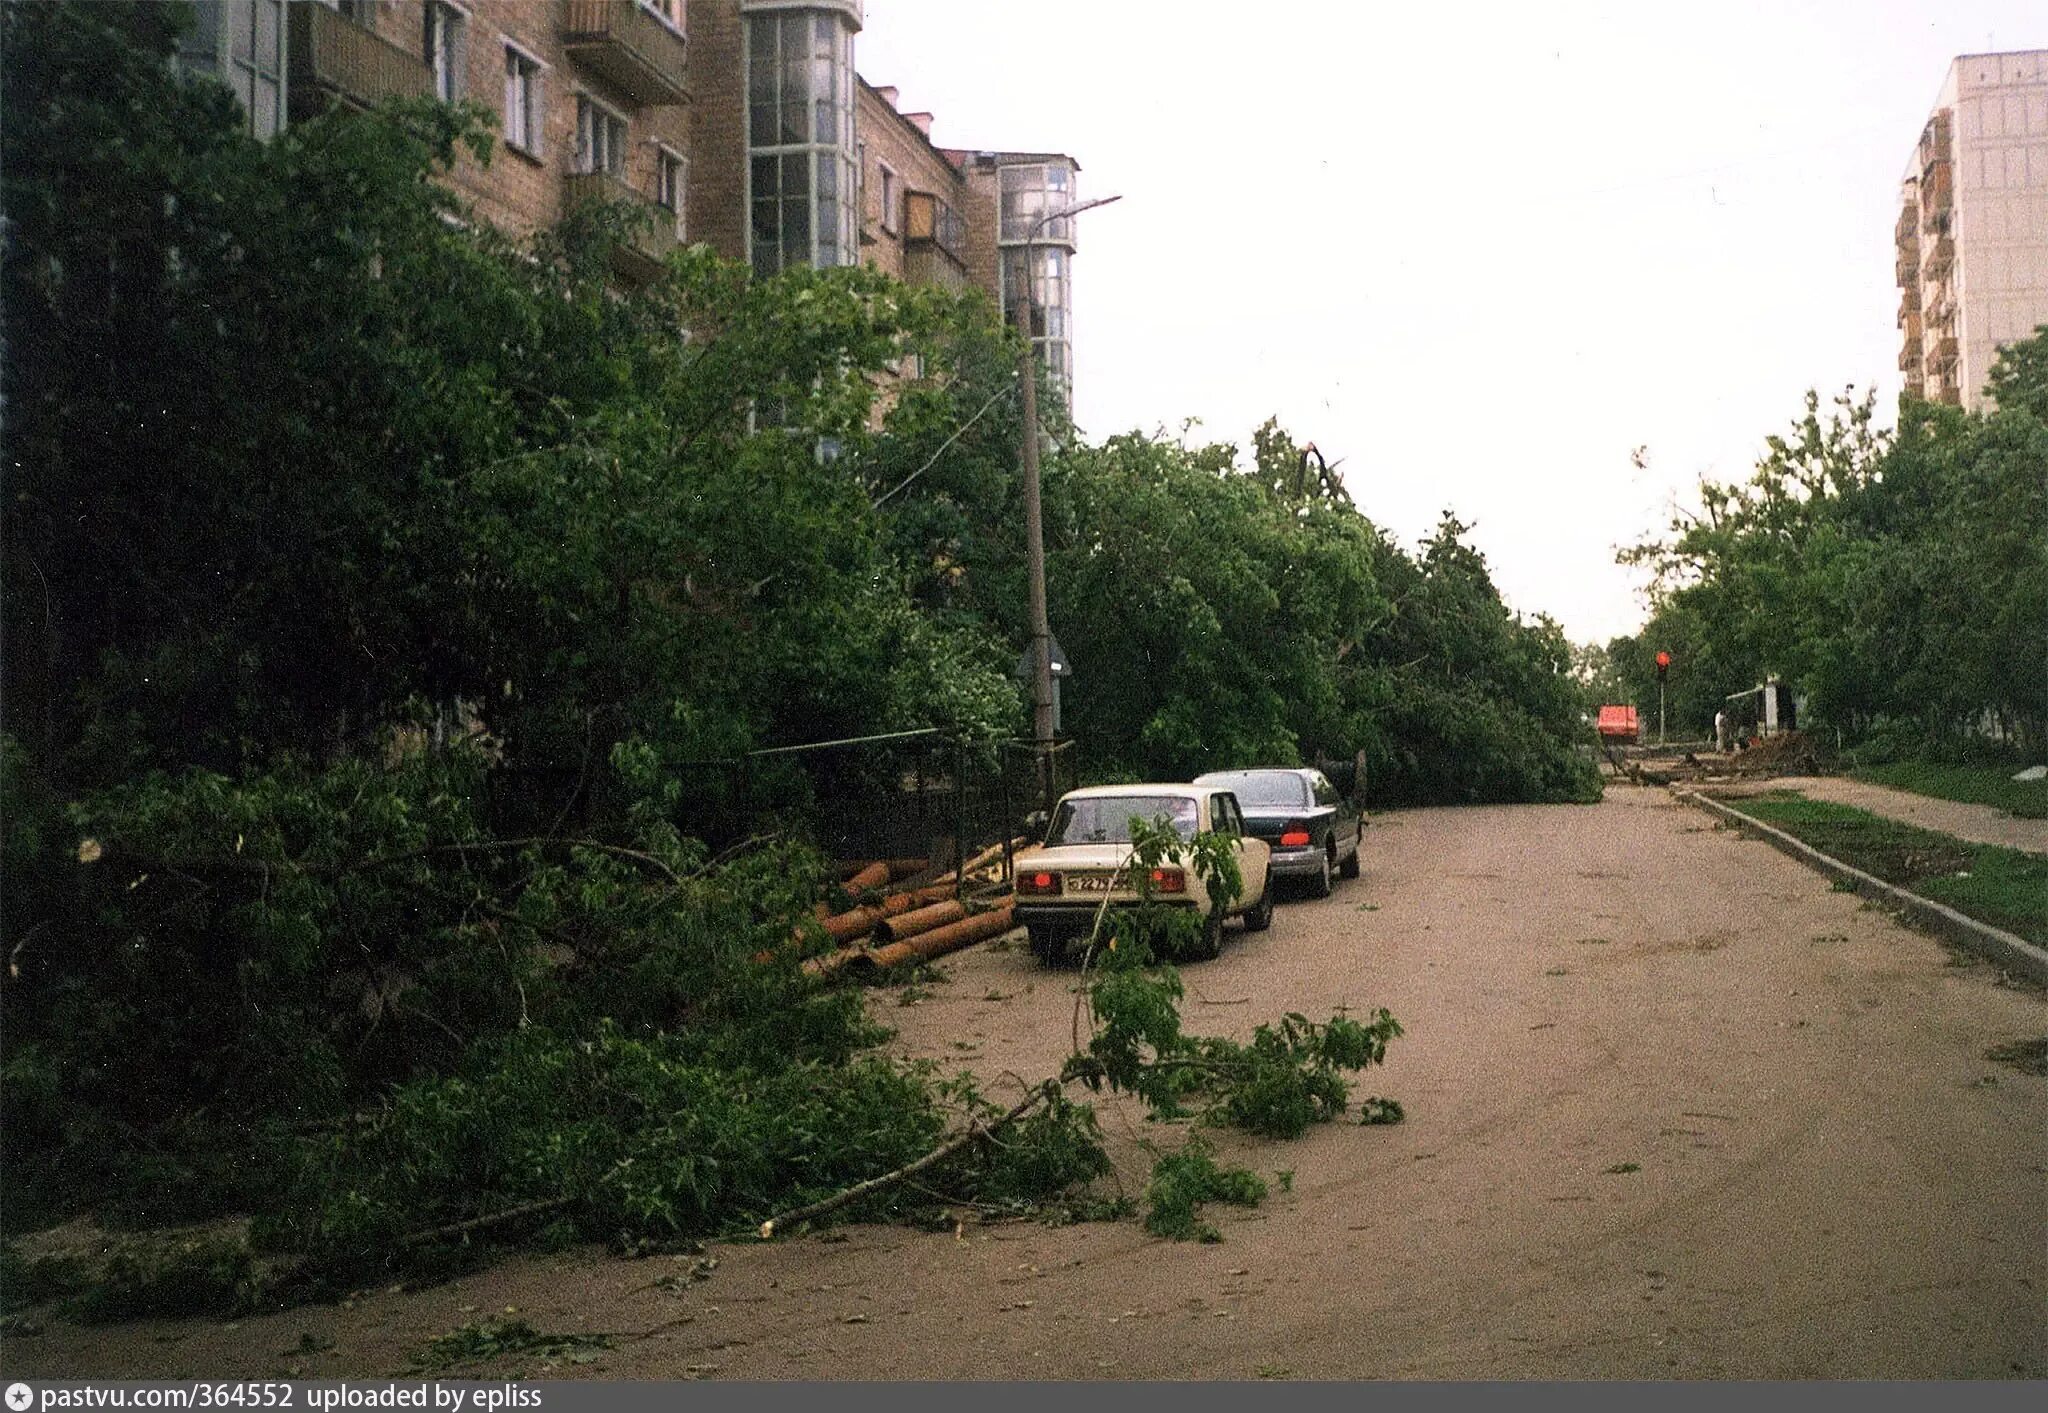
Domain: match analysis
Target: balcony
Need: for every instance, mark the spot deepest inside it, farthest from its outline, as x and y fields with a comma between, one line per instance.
x=1935, y=140
x=1941, y=258
x=640, y=253
x=1910, y=325
x=1909, y=305
x=629, y=46
x=1944, y=353
x=1908, y=269
x=334, y=59
x=1908, y=222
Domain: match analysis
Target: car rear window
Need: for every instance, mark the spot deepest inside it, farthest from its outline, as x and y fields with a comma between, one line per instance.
x=1106, y=819
x=1254, y=788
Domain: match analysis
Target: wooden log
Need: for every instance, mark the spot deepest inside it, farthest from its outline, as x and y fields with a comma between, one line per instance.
x=875, y=875
x=900, y=869
x=935, y=943
x=920, y=920
x=847, y=926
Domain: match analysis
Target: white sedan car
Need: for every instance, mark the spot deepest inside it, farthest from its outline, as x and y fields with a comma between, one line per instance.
x=1086, y=858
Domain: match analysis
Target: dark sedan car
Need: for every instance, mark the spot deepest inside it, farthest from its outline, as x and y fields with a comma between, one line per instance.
x=1314, y=832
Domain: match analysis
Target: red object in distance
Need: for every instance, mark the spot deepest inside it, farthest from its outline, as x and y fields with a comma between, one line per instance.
x=1663, y=659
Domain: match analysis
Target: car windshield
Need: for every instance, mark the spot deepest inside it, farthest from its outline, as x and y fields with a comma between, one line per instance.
x=1106, y=819
x=1254, y=788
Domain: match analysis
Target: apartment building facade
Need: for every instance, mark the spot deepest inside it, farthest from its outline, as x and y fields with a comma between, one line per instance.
x=743, y=124
x=1972, y=228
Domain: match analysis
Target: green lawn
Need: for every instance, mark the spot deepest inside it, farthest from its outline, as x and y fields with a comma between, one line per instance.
x=1970, y=784
x=2003, y=887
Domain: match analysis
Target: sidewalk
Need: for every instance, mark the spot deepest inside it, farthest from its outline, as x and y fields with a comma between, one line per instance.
x=1980, y=824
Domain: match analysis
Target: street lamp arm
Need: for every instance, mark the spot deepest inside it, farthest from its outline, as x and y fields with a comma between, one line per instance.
x=1065, y=211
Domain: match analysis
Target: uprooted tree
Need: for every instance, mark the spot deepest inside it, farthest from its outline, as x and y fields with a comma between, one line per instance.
x=368, y=576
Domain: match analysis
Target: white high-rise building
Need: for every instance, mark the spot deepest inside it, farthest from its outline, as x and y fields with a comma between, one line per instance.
x=1972, y=231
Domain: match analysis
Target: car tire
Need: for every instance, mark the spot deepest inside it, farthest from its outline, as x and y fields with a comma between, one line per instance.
x=1210, y=947
x=1045, y=944
x=1319, y=886
x=1349, y=868
x=1260, y=916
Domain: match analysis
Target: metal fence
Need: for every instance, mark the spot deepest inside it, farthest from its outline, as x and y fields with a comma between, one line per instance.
x=911, y=794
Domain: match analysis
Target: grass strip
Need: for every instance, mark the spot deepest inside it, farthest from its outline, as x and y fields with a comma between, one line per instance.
x=2003, y=887
x=1991, y=785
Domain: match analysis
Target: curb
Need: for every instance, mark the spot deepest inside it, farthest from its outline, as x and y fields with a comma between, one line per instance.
x=2015, y=954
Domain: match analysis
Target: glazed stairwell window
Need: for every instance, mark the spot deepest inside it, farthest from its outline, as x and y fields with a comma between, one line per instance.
x=525, y=101
x=802, y=182
x=600, y=138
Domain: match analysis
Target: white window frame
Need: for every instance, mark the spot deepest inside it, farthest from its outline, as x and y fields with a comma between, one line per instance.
x=531, y=74
x=589, y=110
x=667, y=159
x=450, y=61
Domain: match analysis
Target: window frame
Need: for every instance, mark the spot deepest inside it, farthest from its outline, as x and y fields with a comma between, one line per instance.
x=594, y=115
x=668, y=160
x=530, y=71
x=892, y=196
x=455, y=55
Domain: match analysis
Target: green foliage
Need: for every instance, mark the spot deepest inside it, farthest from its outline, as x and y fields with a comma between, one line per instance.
x=1377, y=1110
x=1182, y=1182
x=2004, y=887
x=1288, y=1077
x=1991, y=785
x=1218, y=619
x=482, y=1340
x=1899, y=581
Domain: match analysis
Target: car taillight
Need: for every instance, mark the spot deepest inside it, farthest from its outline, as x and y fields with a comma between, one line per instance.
x=1169, y=880
x=1040, y=883
x=1294, y=836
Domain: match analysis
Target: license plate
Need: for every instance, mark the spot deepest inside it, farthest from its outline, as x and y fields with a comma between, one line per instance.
x=1090, y=882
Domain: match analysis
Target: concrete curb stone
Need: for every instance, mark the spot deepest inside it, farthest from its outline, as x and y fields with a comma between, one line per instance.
x=2015, y=954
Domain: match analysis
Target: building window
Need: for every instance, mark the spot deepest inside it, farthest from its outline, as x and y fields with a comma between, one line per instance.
x=1028, y=192
x=600, y=138
x=889, y=200
x=1049, y=300
x=525, y=102
x=242, y=43
x=445, y=43
x=669, y=12
x=671, y=181
x=803, y=184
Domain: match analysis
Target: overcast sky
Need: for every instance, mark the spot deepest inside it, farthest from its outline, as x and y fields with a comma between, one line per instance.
x=1479, y=252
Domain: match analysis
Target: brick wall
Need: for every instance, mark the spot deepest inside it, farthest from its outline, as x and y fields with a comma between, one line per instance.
x=892, y=140
x=514, y=191
x=718, y=156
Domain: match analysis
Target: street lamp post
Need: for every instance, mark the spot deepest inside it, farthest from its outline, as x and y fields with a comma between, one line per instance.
x=1034, y=525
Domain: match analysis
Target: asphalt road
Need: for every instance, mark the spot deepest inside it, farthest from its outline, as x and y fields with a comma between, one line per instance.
x=1675, y=1109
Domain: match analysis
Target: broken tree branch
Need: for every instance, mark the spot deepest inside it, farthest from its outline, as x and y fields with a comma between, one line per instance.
x=973, y=1133
x=473, y=1224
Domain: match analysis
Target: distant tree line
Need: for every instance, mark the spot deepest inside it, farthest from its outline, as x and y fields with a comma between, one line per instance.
x=1896, y=580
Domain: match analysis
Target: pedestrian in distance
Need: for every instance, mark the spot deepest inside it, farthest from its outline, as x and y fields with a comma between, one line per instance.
x=1721, y=730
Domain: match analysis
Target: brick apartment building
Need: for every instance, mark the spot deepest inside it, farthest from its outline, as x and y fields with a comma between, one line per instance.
x=744, y=123
x=1972, y=231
